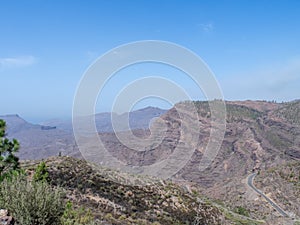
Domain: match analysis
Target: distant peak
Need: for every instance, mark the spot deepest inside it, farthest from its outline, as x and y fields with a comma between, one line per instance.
x=149, y=108
x=14, y=117
x=11, y=115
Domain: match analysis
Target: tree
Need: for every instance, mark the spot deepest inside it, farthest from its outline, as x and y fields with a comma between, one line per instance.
x=41, y=173
x=9, y=163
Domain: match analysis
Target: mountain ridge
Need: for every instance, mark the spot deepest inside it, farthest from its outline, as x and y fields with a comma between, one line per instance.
x=259, y=135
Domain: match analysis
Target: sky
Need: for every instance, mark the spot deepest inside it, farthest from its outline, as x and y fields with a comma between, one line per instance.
x=46, y=46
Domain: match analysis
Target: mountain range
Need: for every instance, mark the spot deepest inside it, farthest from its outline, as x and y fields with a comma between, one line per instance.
x=261, y=137
x=55, y=137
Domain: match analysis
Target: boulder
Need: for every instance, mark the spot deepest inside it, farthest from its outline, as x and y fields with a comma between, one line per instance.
x=5, y=219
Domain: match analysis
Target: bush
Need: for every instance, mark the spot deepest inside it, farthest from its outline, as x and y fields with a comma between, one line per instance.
x=41, y=173
x=31, y=203
x=242, y=211
x=79, y=216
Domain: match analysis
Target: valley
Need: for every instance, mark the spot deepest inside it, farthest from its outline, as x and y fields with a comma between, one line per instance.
x=262, y=140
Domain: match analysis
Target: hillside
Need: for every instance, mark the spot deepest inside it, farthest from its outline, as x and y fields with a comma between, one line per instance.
x=289, y=112
x=259, y=135
x=282, y=183
x=151, y=201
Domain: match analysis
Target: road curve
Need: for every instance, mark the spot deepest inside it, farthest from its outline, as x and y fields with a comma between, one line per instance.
x=273, y=204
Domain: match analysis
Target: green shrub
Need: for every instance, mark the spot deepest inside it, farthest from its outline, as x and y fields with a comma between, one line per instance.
x=74, y=216
x=32, y=203
x=242, y=211
x=41, y=173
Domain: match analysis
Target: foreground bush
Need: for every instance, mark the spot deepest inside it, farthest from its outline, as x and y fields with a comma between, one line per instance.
x=30, y=202
x=78, y=216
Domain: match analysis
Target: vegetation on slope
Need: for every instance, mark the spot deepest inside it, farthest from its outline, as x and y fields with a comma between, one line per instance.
x=290, y=111
x=283, y=182
x=92, y=190
x=163, y=202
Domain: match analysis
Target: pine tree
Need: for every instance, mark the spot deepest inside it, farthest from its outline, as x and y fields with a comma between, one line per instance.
x=9, y=163
x=41, y=173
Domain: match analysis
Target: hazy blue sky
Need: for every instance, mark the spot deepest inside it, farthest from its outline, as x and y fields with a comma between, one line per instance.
x=253, y=47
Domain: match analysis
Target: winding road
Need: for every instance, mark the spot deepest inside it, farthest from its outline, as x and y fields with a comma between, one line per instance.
x=273, y=204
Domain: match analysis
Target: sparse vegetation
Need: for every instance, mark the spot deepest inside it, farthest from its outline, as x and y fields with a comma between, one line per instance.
x=239, y=112
x=290, y=111
x=283, y=181
x=242, y=211
x=277, y=141
x=73, y=216
x=97, y=196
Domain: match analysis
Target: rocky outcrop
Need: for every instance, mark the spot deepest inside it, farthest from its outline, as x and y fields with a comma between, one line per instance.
x=5, y=219
x=293, y=153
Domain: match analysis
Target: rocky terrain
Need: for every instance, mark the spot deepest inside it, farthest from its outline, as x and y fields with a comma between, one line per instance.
x=134, y=199
x=282, y=184
x=260, y=136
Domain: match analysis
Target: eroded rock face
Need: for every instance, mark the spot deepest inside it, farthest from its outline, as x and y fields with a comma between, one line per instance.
x=5, y=219
x=259, y=136
x=293, y=153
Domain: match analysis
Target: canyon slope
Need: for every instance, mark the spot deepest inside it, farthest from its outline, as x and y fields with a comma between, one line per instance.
x=261, y=137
